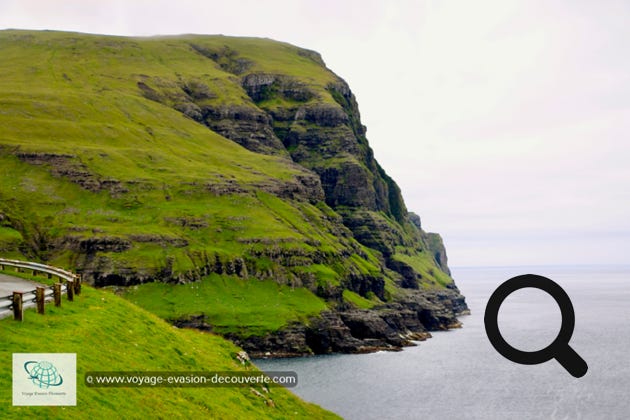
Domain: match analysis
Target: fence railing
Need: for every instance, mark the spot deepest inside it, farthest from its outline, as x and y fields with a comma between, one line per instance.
x=69, y=283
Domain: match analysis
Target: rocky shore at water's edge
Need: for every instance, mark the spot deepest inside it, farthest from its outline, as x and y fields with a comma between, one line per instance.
x=388, y=327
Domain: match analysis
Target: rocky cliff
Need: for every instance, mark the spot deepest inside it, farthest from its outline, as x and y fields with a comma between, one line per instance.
x=184, y=159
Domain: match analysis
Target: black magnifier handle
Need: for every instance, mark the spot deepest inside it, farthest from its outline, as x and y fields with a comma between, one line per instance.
x=571, y=361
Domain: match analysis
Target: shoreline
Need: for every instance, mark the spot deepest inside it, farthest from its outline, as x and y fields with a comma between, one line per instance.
x=391, y=327
x=413, y=340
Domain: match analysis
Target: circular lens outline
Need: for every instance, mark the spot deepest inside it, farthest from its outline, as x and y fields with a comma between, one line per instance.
x=545, y=284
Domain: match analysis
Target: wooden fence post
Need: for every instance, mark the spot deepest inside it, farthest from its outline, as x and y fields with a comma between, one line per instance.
x=57, y=293
x=70, y=290
x=40, y=296
x=77, y=285
x=18, y=310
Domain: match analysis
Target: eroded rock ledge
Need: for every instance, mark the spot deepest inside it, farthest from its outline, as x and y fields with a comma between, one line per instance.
x=388, y=327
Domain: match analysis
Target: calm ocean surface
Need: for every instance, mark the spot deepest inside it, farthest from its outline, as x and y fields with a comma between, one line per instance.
x=458, y=374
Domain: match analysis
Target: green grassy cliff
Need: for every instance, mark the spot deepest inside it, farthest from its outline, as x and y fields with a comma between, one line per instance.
x=227, y=180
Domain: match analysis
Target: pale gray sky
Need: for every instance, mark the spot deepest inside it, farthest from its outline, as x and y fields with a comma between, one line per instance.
x=505, y=122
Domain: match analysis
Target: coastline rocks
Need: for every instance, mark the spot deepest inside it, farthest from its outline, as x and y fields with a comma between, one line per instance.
x=388, y=327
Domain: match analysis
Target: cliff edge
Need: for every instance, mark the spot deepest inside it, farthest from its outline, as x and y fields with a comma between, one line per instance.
x=223, y=183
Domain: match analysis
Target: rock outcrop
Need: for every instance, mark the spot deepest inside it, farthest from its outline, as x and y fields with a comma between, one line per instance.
x=388, y=327
x=436, y=248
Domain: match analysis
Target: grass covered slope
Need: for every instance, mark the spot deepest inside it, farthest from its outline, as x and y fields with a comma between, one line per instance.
x=110, y=334
x=93, y=169
x=235, y=172
x=231, y=305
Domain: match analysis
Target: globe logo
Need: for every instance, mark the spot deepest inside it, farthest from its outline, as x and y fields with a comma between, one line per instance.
x=43, y=374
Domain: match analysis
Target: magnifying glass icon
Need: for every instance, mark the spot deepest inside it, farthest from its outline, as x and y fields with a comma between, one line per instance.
x=559, y=349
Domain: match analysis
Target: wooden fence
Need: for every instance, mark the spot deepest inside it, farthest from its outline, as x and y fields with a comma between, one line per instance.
x=69, y=283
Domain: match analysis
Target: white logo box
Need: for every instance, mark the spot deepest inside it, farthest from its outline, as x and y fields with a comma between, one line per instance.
x=45, y=379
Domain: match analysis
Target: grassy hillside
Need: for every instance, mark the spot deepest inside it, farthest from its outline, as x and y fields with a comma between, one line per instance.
x=232, y=305
x=111, y=334
x=83, y=154
x=233, y=171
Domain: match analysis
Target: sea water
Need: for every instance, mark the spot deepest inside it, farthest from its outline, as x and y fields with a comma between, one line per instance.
x=458, y=375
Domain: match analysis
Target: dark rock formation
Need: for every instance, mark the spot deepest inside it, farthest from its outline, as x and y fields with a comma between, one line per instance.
x=389, y=327
x=410, y=278
x=437, y=249
x=415, y=220
x=261, y=86
x=245, y=125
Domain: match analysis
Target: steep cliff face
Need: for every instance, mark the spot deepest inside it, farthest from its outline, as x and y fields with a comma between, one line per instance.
x=331, y=140
x=328, y=139
x=320, y=128
x=214, y=160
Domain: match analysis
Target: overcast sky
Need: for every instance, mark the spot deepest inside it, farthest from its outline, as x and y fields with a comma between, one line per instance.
x=506, y=123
